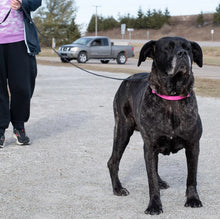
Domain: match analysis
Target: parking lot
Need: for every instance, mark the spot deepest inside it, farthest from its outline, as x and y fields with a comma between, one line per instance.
x=63, y=174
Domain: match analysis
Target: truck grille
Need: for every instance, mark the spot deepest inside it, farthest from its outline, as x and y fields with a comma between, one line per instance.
x=66, y=49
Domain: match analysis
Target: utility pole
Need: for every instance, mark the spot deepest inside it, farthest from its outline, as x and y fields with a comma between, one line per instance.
x=96, y=19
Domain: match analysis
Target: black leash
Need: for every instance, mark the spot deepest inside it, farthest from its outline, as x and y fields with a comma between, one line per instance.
x=6, y=16
x=82, y=69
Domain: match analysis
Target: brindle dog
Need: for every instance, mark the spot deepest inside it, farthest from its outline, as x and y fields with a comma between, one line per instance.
x=162, y=106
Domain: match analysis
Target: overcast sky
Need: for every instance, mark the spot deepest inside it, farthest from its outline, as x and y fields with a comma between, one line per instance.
x=106, y=8
x=86, y=8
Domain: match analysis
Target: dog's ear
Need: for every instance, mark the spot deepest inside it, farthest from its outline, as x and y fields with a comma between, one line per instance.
x=147, y=51
x=197, y=54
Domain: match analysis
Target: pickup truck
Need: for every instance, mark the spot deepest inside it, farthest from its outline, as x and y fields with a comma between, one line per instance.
x=98, y=47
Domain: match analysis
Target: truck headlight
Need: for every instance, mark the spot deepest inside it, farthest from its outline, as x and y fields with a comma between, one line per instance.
x=73, y=49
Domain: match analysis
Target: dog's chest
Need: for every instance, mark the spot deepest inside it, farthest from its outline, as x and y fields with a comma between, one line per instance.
x=167, y=144
x=172, y=131
x=169, y=125
x=169, y=117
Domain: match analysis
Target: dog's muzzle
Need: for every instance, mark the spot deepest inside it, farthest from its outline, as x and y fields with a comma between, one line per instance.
x=181, y=64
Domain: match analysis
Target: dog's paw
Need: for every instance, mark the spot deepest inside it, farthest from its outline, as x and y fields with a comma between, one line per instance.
x=193, y=203
x=154, y=207
x=154, y=210
x=121, y=192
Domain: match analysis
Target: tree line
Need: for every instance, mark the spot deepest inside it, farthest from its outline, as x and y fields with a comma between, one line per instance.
x=152, y=19
x=216, y=18
x=56, y=19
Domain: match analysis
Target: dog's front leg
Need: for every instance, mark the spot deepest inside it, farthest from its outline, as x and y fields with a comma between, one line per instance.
x=192, y=154
x=155, y=205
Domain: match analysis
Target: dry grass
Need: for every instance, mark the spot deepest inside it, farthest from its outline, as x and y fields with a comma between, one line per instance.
x=211, y=55
x=47, y=52
x=185, y=27
x=211, y=60
x=207, y=87
x=211, y=51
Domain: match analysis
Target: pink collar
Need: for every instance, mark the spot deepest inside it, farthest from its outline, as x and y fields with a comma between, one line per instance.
x=170, y=97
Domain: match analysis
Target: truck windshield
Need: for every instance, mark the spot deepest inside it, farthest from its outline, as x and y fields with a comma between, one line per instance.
x=83, y=41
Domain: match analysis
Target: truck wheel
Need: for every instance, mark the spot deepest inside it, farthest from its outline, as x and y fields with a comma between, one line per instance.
x=82, y=57
x=104, y=61
x=121, y=59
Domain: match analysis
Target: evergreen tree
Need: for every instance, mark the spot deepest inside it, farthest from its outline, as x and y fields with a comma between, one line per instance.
x=140, y=19
x=57, y=20
x=103, y=24
x=73, y=32
x=216, y=17
x=109, y=23
x=200, y=20
x=91, y=26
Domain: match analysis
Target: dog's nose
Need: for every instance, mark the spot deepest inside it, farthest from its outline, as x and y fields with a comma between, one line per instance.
x=181, y=53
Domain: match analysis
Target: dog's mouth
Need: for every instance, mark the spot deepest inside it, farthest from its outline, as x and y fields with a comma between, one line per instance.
x=182, y=67
x=181, y=70
x=176, y=83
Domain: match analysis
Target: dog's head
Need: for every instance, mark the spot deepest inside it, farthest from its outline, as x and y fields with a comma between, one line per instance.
x=172, y=59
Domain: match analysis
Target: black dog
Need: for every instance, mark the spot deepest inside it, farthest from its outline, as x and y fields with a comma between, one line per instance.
x=163, y=107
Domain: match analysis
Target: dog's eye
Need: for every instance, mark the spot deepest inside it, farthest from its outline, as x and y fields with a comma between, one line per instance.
x=169, y=47
x=186, y=47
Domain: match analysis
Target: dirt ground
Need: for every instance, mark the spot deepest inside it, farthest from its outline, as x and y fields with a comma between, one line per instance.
x=63, y=174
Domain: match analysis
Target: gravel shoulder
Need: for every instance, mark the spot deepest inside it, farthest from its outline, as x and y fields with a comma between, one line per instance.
x=63, y=174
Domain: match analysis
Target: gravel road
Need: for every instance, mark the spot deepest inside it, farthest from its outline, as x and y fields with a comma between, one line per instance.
x=63, y=174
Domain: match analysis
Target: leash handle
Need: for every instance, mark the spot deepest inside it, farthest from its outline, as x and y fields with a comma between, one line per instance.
x=6, y=16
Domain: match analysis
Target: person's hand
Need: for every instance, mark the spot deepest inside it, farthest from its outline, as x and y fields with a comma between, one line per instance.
x=15, y=5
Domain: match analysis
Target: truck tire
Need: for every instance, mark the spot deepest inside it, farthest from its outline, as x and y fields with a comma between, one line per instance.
x=121, y=59
x=105, y=61
x=82, y=57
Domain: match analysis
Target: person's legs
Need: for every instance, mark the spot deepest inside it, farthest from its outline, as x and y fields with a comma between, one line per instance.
x=4, y=96
x=22, y=72
x=21, y=79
